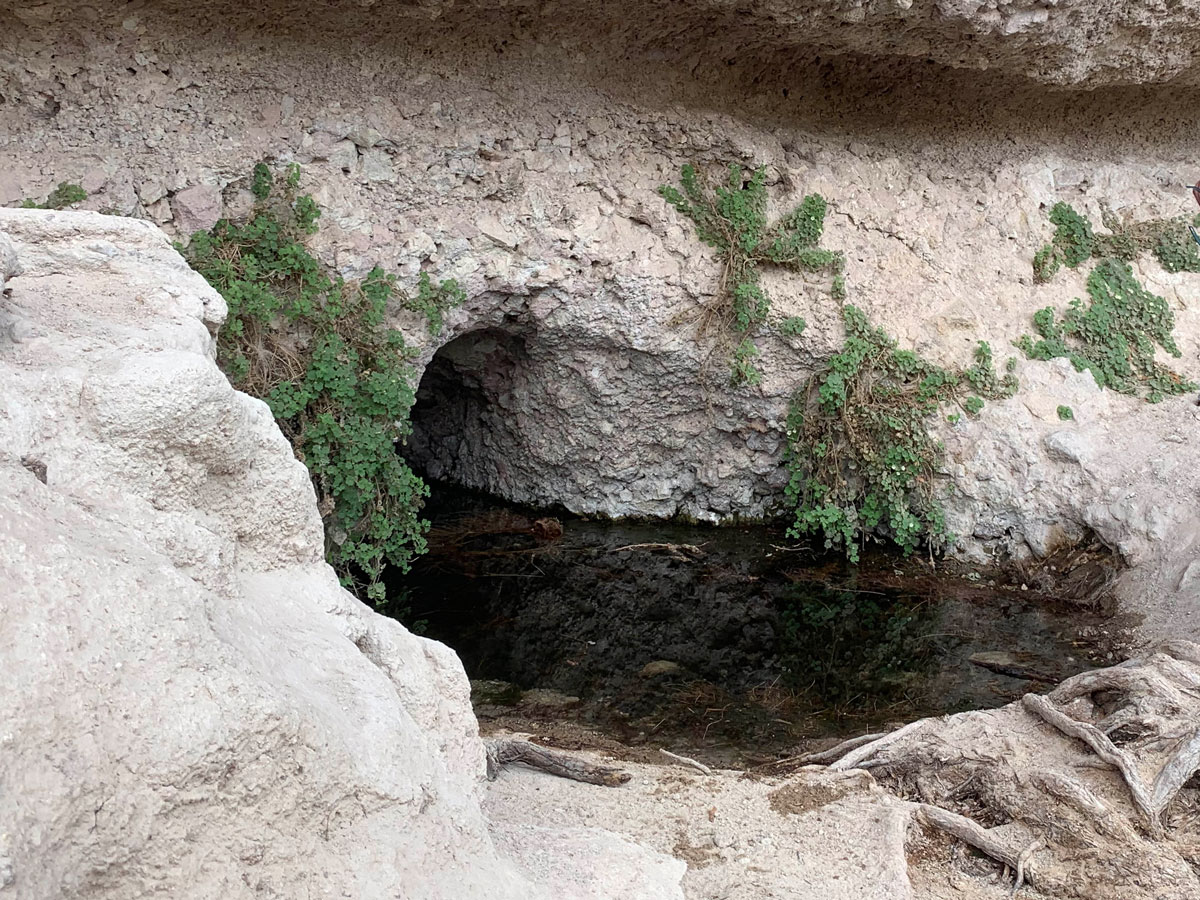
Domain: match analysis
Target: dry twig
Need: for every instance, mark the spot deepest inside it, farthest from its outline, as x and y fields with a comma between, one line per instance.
x=687, y=760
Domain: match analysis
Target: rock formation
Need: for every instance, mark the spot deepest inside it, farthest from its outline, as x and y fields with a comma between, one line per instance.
x=159, y=728
x=192, y=704
x=518, y=149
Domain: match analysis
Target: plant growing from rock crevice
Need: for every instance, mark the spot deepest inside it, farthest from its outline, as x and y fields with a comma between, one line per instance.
x=1075, y=241
x=66, y=194
x=731, y=218
x=1114, y=337
x=862, y=461
x=337, y=379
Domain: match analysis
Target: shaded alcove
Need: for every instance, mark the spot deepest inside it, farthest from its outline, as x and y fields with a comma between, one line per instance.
x=464, y=420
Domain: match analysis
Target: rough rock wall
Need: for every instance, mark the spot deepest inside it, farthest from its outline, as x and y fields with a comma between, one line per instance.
x=193, y=706
x=518, y=148
x=1059, y=42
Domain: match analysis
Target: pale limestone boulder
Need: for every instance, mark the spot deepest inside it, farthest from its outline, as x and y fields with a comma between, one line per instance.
x=192, y=704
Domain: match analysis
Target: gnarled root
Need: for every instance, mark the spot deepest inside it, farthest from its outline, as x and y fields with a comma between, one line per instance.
x=1079, y=808
x=971, y=832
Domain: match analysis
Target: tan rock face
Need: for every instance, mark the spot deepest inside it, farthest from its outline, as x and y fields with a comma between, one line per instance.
x=196, y=208
x=527, y=148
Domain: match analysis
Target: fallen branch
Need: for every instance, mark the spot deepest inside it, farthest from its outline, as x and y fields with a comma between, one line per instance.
x=677, y=551
x=698, y=766
x=505, y=751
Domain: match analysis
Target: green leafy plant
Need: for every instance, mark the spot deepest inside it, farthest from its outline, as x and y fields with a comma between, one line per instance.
x=731, y=218
x=1066, y=413
x=861, y=460
x=433, y=300
x=792, y=326
x=1075, y=242
x=337, y=379
x=1114, y=336
x=744, y=370
x=838, y=289
x=66, y=194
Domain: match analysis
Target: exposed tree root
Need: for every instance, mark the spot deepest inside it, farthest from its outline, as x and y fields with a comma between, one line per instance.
x=863, y=756
x=1091, y=827
x=970, y=832
x=1183, y=763
x=505, y=751
x=1104, y=748
x=835, y=753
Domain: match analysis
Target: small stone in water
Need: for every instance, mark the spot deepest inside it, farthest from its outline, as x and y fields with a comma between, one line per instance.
x=659, y=667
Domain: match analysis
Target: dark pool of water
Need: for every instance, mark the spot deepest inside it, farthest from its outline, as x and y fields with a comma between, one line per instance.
x=720, y=641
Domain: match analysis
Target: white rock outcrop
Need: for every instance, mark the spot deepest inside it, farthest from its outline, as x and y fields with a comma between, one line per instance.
x=192, y=705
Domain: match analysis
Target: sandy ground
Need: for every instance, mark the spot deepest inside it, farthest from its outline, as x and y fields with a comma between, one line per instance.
x=814, y=834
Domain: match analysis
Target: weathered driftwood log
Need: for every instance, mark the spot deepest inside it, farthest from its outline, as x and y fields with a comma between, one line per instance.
x=505, y=751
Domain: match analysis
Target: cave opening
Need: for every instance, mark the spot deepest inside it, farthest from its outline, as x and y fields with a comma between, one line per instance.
x=700, y=638
x=465, y=420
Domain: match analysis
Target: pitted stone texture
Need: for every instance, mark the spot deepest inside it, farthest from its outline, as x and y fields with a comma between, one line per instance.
x=527, y=157
x=193, y=706
x=1058, y=42
x=815, y=835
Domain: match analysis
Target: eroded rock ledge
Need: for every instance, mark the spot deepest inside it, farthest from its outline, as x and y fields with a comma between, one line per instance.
x=1057, y=42
x=518, y=148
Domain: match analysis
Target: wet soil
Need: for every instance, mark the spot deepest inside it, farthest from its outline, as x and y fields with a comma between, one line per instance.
x=733, y=645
